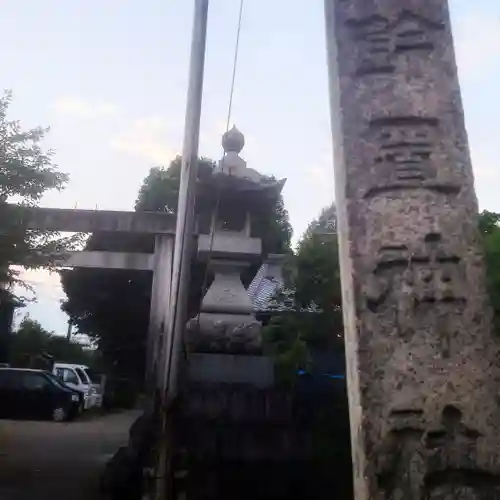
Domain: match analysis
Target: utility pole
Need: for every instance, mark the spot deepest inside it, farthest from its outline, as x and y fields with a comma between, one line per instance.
x=184, y=231
x=70, y=330
x=184, y=237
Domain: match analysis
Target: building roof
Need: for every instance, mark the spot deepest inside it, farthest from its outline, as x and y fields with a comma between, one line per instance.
x=268, y=284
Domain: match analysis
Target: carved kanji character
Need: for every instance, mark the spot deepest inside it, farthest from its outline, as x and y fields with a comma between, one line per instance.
x=381, y=41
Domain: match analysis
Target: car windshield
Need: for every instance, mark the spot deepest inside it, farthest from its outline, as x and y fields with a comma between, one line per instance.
x=92, y=375
x=83, y=375
x=56, y=380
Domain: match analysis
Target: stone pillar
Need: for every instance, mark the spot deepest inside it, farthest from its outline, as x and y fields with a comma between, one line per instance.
x=7, y=309
x=160, y=300
x=422, y=366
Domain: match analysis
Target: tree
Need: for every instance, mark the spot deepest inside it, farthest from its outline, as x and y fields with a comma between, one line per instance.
x=489, y=227
x=290, y=336
x=312, y=321
x=27, y=172
x=306, y=335
x=113, y=306
x=31, y=340
x=318, y=276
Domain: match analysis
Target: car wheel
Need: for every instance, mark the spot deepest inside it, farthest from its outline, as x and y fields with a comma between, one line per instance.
x=59, y=414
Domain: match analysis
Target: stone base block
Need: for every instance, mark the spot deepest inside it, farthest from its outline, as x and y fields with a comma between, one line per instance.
x=257, y=371
x=224, y=333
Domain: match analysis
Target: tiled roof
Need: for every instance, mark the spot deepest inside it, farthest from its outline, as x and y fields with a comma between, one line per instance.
x=267, y=291
x=264, y=287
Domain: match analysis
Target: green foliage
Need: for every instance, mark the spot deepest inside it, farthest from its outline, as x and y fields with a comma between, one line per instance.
x=488, y=222
x=160, y=189
x=113, y=306
x=489, y=226
x=317, y=281
x=276, y=230
x=31, y=339
x=27, y=171
x=318, y=273
x=26, y=174
x=313, y=317
x=283, y=340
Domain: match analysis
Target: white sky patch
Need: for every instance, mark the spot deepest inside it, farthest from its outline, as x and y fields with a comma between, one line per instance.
x=211, y=138
x=45, y=282
x=487, y=172
x=85, y=109
x=477, y=43
x=319, y=173
x=146, y=138
x=486, y=176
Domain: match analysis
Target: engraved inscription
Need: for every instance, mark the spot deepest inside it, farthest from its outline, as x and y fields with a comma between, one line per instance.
x=452, y=431
x=430, y=275
x=420, y=286
x=381, y=41
x=452, y=467
x=399, y=459
x=414, y=462
x=403, y=155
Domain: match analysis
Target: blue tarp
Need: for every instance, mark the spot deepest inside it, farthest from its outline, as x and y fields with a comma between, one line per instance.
x=328, y=375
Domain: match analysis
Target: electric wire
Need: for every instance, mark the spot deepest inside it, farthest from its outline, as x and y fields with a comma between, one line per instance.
x=217, y=186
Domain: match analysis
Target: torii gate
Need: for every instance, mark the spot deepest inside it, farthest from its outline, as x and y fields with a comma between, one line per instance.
x=161, y=225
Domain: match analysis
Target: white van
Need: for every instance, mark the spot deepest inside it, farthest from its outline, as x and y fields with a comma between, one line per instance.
x=79, y=377
x=97, y=385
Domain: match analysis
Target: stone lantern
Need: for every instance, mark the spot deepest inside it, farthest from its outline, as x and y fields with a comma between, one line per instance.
x=231, y=199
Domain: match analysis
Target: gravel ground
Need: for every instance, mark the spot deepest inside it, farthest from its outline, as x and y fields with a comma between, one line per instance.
x=46, y=460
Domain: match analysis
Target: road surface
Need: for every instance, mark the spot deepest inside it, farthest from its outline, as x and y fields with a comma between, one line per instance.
x=46, y=460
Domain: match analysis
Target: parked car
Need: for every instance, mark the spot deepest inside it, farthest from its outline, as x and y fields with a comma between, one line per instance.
x=76, y=377
x=78, y=408
x=28, y=393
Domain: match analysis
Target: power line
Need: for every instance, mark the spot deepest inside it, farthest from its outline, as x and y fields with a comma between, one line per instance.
x=229, y=113
x=235, y=65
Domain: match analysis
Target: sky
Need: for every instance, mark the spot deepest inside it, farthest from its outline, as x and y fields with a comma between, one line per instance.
x=110, y=77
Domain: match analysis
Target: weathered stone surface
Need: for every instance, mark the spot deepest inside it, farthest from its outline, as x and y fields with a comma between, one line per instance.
x=226, y=294
x=89, y=221
x=224, y=333
x=106, y=260
x=159, y=307
x=227, y=245
x=422, y=357
x=251, y=371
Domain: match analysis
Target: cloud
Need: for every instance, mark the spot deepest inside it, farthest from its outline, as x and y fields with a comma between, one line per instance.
x=85, y=109
x=319, y=173
x=45, y=283
x=211, y=136
x=487, y=173
x=146, y=138
x=485, y=167
x=477, y=43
